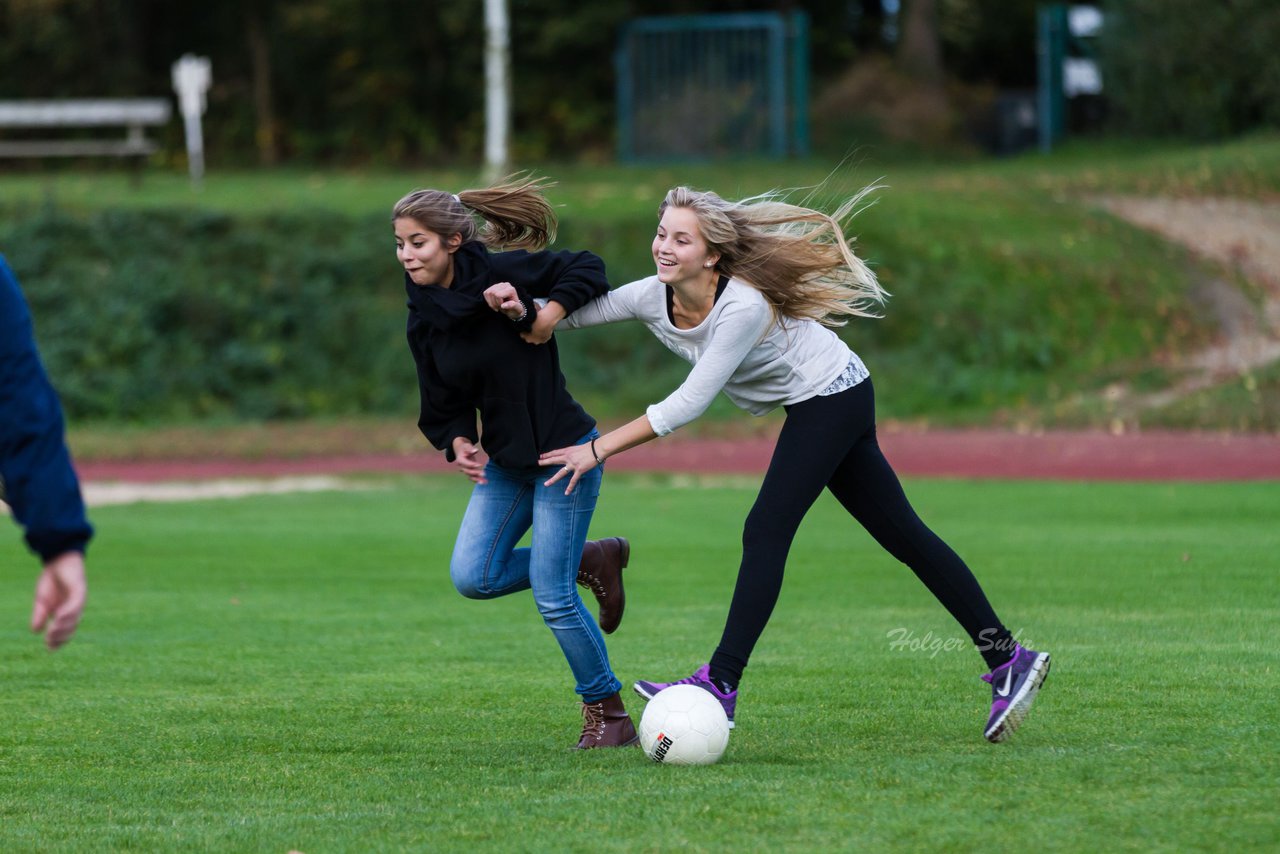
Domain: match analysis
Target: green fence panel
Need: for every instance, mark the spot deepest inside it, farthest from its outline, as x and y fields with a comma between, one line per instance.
x=709, y=86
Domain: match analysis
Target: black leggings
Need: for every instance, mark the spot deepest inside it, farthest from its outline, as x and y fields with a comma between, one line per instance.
x=831, y=442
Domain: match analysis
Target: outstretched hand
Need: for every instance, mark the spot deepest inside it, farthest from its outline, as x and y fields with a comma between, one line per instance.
x=60, y=596
x=544, y=325
x=576, y=460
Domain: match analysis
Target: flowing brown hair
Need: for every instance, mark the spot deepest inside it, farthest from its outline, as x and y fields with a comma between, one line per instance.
x=796, y=256
x=515, y=212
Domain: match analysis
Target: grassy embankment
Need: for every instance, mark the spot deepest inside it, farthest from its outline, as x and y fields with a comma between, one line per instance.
x=1016, y=300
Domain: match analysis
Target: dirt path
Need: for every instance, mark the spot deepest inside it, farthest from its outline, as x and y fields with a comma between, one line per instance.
x=967, y=454
x=104, y=493
x=1241, y=235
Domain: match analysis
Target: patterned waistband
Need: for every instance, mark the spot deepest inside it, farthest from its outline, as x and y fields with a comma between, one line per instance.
x=853, y=373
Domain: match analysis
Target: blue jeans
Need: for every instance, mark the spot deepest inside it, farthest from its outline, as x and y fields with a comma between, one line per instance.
x=486, y=563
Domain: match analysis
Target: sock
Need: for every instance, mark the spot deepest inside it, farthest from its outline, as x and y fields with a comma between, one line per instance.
x=723, y=686
x=725, y=672
x=1000, y=650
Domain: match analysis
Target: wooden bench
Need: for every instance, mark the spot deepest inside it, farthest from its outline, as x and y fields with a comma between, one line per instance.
x=133, y=114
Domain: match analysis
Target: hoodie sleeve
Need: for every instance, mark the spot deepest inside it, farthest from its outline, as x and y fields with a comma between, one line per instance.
x=444, y=414
x=570, y=278
x=37, y=479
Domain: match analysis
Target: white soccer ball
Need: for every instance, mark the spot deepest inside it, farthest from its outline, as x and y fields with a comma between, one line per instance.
x=684, y=725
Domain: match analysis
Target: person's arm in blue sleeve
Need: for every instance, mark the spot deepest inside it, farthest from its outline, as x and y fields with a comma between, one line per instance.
x=37, y=479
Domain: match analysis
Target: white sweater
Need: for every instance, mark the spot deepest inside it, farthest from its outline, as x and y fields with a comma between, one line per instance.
x=758, y=364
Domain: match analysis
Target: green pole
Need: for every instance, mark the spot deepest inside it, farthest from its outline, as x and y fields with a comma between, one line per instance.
x=625, y=91
x=799, y=83
x=1051, y=49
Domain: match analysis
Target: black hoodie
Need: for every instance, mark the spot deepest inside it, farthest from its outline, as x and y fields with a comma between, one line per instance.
x=471, y=359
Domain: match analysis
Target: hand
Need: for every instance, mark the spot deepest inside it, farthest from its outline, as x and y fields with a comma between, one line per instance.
x=502, y=298
x=470, y=459
x=544, y=324
x=60, y=595
x=576, y=459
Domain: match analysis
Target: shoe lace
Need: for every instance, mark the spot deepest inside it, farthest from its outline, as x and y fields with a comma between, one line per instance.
x=593, y=719
x=595, y=585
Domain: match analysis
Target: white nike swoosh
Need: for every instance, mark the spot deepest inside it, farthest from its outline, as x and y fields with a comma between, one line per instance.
x=1008, y=683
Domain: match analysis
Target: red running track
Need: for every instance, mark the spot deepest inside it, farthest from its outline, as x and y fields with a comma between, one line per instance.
x=962, y=454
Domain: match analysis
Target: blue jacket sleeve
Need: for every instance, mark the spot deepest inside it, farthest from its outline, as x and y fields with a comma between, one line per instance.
x=36, y=476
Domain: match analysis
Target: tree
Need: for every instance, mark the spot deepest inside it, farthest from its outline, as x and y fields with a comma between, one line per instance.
x=920, y=51
x=263, y=102
x=1202, y=70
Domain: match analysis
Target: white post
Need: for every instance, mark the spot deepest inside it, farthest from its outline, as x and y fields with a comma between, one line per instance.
x=497, y=109
x=191, y=78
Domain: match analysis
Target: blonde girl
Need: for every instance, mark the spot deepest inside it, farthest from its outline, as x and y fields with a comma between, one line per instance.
x=747, y=293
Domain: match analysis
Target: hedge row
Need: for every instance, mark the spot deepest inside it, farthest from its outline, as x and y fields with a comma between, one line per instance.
x=177, y=315
x=191, y=315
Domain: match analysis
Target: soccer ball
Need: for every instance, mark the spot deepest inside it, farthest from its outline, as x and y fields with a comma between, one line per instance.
x=684, y=725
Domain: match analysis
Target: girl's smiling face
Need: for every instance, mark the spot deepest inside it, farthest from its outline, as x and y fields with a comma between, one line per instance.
x=679, y=250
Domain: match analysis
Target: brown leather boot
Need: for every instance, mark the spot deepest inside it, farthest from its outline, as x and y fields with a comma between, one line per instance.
x=601, y=572
x=606, y=724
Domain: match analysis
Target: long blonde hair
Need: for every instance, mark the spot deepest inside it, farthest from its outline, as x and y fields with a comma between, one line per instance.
x=516, y=214
x=797, y=257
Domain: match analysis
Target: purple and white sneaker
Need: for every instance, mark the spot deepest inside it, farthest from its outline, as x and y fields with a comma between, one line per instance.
x=1013, y=688
x=702, y=678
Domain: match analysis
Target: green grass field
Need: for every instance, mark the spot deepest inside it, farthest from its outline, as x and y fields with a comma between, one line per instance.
x=296, y=672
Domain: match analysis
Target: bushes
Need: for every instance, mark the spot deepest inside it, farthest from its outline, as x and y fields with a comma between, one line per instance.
x=1005, y=299
x=192, y=315
x=1201, y=70
x=177, y=315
